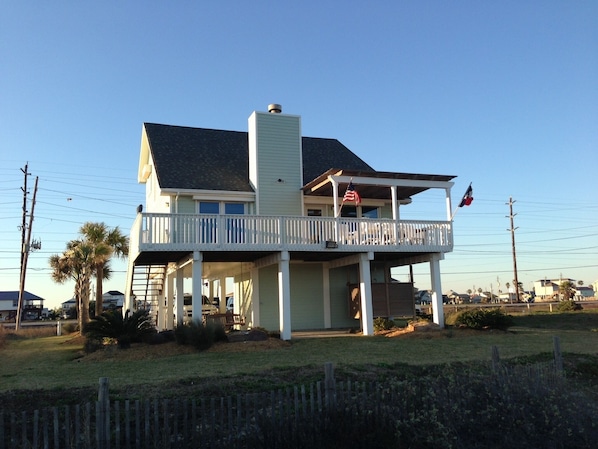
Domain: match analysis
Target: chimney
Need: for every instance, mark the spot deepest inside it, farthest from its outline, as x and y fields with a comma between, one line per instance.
x=275, y=164
x=274, y=108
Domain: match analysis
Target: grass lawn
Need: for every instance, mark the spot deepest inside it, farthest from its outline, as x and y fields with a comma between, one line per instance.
x=54, y=366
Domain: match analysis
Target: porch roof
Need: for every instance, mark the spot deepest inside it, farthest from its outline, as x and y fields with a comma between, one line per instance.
x=374, y=184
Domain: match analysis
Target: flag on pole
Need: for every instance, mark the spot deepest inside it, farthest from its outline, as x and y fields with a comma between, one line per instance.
x=351, y=194
x=467, y=198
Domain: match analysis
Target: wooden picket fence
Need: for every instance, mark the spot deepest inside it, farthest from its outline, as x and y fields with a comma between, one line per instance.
x=214, y=422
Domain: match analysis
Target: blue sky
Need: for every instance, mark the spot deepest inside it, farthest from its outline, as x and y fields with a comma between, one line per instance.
x=501, y=94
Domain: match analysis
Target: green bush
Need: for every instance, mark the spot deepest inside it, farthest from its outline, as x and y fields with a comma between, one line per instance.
x=568, y=306
x=133, y=327
x=70, y=328
x=483, y=319
x=199, y=335
x=383, y=324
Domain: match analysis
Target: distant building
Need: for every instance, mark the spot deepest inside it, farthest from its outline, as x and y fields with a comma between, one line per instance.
x=582, y=293
x=112, y=300
x=32, y=306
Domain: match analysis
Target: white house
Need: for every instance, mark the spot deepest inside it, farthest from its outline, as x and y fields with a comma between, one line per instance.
x=263, y=210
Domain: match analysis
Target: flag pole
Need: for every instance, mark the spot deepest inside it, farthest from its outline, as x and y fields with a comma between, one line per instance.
x=454, y=213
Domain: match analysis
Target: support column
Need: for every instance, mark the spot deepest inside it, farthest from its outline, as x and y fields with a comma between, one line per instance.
x=326, y=295
x=222, y=294
x=180, y=294
x=254, y=280
x=160, y=312
x=197, y=285
x=169, y=301
x=365, y=290
x=437, y=305
x=284, y=296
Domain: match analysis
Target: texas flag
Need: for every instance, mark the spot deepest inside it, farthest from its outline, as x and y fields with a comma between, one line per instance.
x=467, y=198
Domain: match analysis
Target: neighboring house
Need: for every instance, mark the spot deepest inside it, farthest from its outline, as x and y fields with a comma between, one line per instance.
x=546, y=289
x=32, y=306
x=68, y=308
x=264, y=210
x=583, y=293
x=113, y=300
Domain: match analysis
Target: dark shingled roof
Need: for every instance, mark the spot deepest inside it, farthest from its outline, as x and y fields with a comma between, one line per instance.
x=210, y=159
x=14, y=294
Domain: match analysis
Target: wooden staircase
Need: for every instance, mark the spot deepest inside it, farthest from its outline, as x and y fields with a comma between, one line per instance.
x=147, y=284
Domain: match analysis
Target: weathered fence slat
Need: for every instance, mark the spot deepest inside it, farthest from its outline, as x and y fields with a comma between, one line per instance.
x=116, y=424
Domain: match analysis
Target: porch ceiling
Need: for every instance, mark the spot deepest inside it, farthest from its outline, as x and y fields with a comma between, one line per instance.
x=216, y=261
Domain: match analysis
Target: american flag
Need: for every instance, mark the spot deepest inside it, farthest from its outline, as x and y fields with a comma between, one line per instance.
x=351, y=194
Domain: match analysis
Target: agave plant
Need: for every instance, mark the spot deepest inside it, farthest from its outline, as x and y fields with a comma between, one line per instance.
x=125, y=330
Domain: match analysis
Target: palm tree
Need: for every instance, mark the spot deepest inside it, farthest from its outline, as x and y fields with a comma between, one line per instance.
x=567, y=290
x=75, y=263
x=107, y=243
x=64, y=268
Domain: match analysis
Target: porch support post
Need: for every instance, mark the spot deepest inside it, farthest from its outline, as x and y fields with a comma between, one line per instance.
x=437, y=306
x=337, y=210
x=211, y=290
x=254, y=281
x=161, y=312
x=326, y=295
x=284, y=296
x=196, y=288
x=449, y=209
x=169, y=301
x=365, y=289
x=180, y=293
x=395, y=213
x=222, y=294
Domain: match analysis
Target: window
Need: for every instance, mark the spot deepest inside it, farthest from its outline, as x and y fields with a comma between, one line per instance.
x=359, y=211
x=369, y=212
x=209, y=207
x=234, y=208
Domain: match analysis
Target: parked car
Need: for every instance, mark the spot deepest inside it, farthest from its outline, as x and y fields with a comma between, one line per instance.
x=207, y=307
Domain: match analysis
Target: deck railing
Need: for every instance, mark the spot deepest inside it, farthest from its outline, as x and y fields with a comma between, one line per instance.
x=156, y=231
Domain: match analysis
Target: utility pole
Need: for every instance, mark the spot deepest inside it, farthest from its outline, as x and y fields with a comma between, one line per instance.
x=516, y=279
x=25, y=246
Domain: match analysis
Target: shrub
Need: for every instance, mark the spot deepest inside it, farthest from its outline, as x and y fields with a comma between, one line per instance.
x=383, y=324
x=568, y=306
x=70, y=328
x=133, y=327
x=483, y=319
x=199, y=335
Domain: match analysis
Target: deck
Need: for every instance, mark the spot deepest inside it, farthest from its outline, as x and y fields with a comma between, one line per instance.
x=157, y=232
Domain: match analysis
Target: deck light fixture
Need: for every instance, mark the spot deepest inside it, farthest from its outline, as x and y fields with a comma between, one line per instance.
x=331, y=244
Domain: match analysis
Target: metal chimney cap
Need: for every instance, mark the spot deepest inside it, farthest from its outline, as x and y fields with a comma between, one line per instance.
x=274, y=108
